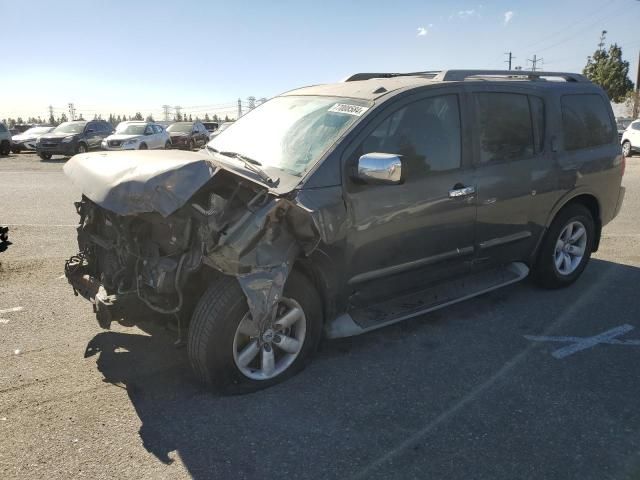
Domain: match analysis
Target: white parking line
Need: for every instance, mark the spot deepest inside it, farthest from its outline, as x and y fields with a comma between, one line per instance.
x=9, y=310
x=582, y=343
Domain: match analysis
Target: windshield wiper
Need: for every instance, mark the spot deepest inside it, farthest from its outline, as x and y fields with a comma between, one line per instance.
x=249, y=163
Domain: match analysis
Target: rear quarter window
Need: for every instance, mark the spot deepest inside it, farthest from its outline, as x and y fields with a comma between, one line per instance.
x=585, y=121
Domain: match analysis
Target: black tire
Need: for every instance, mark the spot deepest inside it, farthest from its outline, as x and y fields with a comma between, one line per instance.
x=81, y=148
x=544, y=271
x=16, y=150
x=626, y=148
x=192, y=145
x=143, y=146
x=5, y=148
x=214, y=324
x=45, y=156
x=167, y=146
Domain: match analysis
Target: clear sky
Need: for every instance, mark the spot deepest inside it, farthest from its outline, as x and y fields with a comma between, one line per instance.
x=123, y=57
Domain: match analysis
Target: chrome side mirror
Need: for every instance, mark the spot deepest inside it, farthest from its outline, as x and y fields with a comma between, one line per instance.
x=380, y=168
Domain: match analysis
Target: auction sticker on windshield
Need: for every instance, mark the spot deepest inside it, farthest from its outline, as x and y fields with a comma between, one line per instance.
x=356, y=110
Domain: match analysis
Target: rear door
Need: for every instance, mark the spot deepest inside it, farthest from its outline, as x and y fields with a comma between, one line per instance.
x=403, y=236
x=505, y=154
x=93, y=136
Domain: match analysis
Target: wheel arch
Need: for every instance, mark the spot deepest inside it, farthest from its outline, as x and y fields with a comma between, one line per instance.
x=589, y=201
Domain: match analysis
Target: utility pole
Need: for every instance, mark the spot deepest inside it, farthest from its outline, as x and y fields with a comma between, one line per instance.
x=510, y=58
x=51, y=117
x=166, y=108
x=534, y=62
x=239, y=108
x=72, y=111
x=178, y=108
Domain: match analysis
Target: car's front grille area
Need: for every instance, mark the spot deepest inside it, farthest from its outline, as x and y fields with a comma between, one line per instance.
x=49, y=142
x=115, y=143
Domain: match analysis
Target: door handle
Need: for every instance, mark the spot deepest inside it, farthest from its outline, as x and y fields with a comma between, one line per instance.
x=461, y=192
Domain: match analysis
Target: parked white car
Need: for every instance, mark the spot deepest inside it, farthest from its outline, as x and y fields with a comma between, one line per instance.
x=631, y=139
x=27, y=139
x=137, y=135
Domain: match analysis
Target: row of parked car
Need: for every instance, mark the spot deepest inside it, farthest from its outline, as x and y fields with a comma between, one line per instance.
x=80, y=136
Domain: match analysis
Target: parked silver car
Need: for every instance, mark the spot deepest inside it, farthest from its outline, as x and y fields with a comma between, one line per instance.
x=27, y=139
x=137, y=135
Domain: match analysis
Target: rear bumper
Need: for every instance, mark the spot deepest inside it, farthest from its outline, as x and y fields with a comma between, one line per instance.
x=623, y=190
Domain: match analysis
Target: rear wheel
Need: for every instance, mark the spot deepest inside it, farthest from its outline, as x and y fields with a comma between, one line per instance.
x=232, y=353
x=566, y=248
x=192, y=146
x=16, y=149
x=5, y=147
x=626, y=148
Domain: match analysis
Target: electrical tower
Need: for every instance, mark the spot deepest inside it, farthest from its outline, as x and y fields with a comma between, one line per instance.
x=165, y=109
x=51, y=117
x=239, y=108
x=510, y=58
x=534, y=62
x=251, y=102
x=72, y=111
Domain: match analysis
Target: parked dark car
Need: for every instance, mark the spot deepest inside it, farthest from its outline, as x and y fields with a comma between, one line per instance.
x=188, y=135
x=368, y=202
x=70, y=138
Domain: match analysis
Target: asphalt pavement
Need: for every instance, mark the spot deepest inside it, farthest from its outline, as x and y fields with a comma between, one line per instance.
x=518, y=383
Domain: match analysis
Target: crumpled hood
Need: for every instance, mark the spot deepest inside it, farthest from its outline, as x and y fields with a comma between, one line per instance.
x=128, y=183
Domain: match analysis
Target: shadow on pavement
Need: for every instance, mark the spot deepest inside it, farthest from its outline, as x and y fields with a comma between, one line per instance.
x=359, y=398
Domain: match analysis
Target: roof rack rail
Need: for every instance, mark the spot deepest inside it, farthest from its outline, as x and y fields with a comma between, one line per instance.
x=461, y=75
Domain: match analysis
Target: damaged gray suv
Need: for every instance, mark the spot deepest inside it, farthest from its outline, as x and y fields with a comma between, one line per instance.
x=336, y=209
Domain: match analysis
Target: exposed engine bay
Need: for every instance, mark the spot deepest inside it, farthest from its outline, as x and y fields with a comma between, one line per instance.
x=230, y=224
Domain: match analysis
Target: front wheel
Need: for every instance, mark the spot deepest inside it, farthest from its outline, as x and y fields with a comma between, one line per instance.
x=143, y=146
x=45, y=156
x=232, y=353
x=16, y=150
x=81, y=148
x=566, y=248
x=5, y=148
x=626, y=149
x=167, y=146
x=192, y=145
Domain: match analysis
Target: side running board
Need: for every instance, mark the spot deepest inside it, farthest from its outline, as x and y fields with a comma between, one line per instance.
x=380, y=315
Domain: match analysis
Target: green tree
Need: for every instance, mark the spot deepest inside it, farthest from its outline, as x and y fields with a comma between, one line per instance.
x=63, y=118
x=150, y=118
x=226, y=118
x=138, y=116
x=607, y=69
x=206, y=117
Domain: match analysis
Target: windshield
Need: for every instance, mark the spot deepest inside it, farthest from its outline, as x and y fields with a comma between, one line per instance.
x=290, y=133
x=131, y=128
x=38, y=130
x=70, y=127
x=180, y=127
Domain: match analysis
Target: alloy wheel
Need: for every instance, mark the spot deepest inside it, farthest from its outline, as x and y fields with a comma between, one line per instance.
x=262, y=352
x=570, y=248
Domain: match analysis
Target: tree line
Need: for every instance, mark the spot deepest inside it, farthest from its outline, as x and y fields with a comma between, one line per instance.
x=112, y=119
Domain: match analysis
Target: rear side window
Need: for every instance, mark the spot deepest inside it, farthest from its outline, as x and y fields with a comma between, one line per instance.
x=504, y=126
x=585, y=121
x=3, y=128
